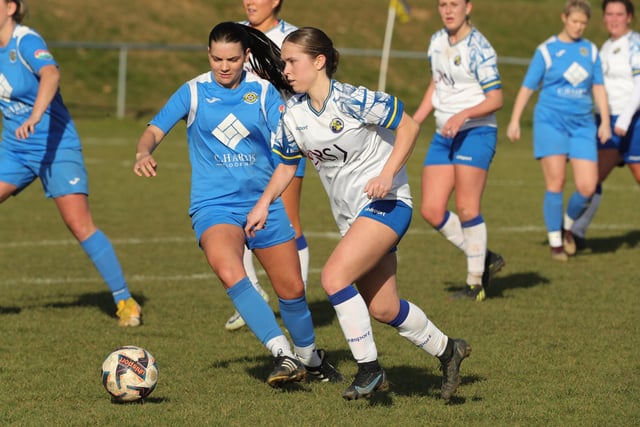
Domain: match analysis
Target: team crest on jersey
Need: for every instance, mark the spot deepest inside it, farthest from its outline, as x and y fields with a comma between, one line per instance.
x=584, y=51
x=616, y=51
x=250, y=97
x=336, y=125
x=457, y=60
x=12, y=56
x=42, y=54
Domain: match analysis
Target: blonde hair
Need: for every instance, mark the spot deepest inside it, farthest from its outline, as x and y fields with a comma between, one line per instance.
x=577, y=6
x=21, y=10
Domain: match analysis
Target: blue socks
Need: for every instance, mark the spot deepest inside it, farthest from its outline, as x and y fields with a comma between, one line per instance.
x=552, y=210
x=297, y=318
x=255, y=311
x=99, y=249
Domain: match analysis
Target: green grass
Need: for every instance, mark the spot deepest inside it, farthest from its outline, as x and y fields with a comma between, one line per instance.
x=555, y=344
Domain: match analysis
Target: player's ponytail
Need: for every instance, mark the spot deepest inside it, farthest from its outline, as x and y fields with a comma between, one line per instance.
x=265, y=55
x=314, y=42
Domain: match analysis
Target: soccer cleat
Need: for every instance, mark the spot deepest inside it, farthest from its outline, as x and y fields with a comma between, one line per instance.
x=451, y=368
x=129, y=313
x=558, y=254
x=493, y=263
x=236, y=321
x=568, y=242
x=325, y=372
x=287, y=370
x=366, y=382
x=470, y=292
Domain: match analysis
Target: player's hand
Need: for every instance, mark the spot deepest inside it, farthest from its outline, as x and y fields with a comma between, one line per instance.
x=378, y=187
x=604, y=133
x=256, y=220
x=27, y=128
x=145, y=165
x=619, y=131
x=513, y=131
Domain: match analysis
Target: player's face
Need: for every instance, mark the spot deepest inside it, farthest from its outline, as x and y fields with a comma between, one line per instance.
x=454, y=14
x=227, y=60
x=575, y=24
x=301, y=70
x=616, y=19
x=260, y=13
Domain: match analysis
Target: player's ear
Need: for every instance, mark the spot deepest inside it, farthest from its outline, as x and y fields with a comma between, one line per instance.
x=247, y=52
x=320, y=62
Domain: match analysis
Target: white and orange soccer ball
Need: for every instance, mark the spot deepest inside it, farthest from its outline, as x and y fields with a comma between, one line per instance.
x=129, y=373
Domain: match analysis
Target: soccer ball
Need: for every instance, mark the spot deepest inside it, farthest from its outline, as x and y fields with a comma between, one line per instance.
x=129, y=373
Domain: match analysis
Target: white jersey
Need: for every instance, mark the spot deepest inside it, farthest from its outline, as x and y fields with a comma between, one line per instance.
x=348, y=142
x=462, y=74
x=620, y=63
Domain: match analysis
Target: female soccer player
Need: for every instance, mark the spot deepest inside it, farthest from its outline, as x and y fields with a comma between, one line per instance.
x=230, y=115
x=620, y=56
x=39, y=140
x=465, y=91
x=567, y=69
x=263, y=15
x=347, y=134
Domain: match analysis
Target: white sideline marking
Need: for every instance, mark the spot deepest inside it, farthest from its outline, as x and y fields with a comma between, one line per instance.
x=333, y=235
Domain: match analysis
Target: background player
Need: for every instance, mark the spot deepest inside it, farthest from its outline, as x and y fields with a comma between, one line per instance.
x=40, y=140
x=567, y=69
x=465, y=91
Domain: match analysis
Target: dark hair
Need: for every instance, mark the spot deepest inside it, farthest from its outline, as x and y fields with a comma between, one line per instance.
x=276, y=10
x=21, y=10
x=265, y=55
x=315, y=42
x=627, y=5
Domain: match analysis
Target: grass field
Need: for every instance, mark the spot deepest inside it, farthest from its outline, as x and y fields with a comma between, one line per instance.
x=553, y=345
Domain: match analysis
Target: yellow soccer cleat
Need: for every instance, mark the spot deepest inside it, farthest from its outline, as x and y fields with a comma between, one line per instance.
x=129, y=313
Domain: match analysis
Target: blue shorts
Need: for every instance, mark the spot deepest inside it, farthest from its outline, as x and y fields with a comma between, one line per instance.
x=472, y=147
x=61, y=172
x=629, y=145
x=278, y=228
x=558, y=134
x=392, y=213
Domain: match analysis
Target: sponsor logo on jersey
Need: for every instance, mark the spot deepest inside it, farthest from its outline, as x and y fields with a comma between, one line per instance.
x=230, y=131
x=281, y=108
x=336, y=125
x=576, y=74
x=42, y=54
x=250, y=97
x=305, y=127
x=13, y=55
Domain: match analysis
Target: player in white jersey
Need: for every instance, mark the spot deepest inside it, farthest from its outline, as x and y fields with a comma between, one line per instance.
x=464, y=93
x=40, y=140
x=263, y=15
x=231, y=115
x=620, y=56
x=347, y=134
x=567, y=70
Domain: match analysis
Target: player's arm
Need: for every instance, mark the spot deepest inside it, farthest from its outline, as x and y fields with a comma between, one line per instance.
x=147, y=143
x=491, y=103
x=426, y=106
x=513, y=129
x=280, y=179
x=47, y=88
x=600, y=97
x=406, y=136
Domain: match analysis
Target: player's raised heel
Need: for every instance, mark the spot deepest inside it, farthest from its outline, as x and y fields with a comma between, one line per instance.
x=451, y=368
x=288, y=369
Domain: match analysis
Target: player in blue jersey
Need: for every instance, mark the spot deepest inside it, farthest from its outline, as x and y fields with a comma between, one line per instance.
x=464, y=93
x=230, y=116
x=39, y=140
x=263, y=15
x=620, y=56
x=567, y=69
x=347, y=134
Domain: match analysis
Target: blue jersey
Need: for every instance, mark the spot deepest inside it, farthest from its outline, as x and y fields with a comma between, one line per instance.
x=20, y=62
x=229, y=134
x=565, y=73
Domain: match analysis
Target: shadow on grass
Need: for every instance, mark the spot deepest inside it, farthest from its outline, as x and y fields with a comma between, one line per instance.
x=598, y=245
x=9, y=310
x=499, y=284
x=102, y=300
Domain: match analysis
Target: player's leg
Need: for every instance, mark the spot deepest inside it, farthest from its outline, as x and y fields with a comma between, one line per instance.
x=608, y=159
x=554, y=170
x=379, y=289
x=291, y=197
x=6, y=190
